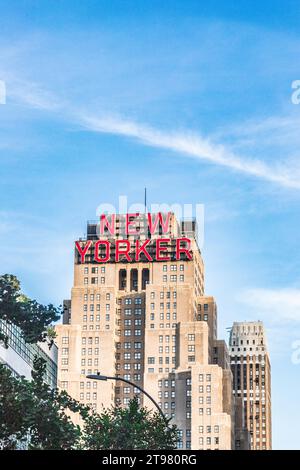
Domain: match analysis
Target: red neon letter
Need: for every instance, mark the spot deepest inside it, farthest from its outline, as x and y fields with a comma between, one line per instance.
x=124, y=252
x=81, y=251
x=139, y=249
x=107, y=251
x=130, y=231
x=160, y=248
x=158, y=218
x=183, y=250
x=104, y=222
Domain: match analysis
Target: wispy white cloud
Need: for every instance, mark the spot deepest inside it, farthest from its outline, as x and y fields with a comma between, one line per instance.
x=33, y=95
x=275, y=305
x=184, y=143
x=194, y=146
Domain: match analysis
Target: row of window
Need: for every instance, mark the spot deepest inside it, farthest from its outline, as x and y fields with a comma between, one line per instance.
x=166, y=338
x=173, y=278
x=128, y=301
x=90, y=351
x=208, y=429
x=128, y=345
x=94, y=270
x=161, y=360
x=166, y=383
x=163, y=305
x=162, y=316
x=128, y=322
x=166, y=405
x=166, y=394
x=98, y=307
x=161, y=370
x=88, y=384
x=128, y=311
x=132, y=332
x=89, y=362
x=209, y=441
x=91, y=327
x=90, y=340
x=94, y=280
x=97, y=297
x=167, y=349
x=127, y=356
x=173, y=267
x=207, y=401
x=88, y=396
x=162, y=325
x=163, y=295
x=128, y=366
x=95, y=317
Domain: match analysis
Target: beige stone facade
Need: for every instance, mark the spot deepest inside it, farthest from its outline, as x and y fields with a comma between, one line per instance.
x=151, y=323
x=250, y=365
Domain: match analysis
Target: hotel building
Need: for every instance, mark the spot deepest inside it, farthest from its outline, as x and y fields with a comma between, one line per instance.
x=251, y=370
x=149, y=322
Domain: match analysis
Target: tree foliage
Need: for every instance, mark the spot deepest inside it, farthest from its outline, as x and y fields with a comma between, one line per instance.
x=33, y=414
x=128, y=428
x=31, y=317
x=37, y=417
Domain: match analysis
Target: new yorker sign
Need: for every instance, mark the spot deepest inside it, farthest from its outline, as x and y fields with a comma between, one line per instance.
x=112, y=249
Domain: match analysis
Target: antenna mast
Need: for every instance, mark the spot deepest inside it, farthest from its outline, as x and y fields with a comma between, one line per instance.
x=145, y=200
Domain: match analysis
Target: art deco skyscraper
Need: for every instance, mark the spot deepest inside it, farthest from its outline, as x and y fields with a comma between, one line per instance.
x=250, y=365
x=149, y=321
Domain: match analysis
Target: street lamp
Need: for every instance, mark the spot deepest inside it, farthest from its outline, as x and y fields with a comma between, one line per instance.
x=98, y=376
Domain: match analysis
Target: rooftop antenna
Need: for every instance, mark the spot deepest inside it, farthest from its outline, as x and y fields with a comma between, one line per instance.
x=145, y=200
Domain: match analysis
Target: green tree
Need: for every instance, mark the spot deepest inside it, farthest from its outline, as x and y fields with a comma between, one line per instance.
x=31, y=317
x=36, y=415
x=39, y=416
x=128, y=428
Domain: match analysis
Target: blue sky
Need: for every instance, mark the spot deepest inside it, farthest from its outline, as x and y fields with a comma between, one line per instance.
x=191, y=99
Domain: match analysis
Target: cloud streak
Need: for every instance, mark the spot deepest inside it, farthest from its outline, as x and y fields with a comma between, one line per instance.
x=185, y=143
x=193, y=146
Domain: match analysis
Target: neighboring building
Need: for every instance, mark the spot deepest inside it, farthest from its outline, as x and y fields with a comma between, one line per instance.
x=251, y=370
x=19, y=355
x=149, y=322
